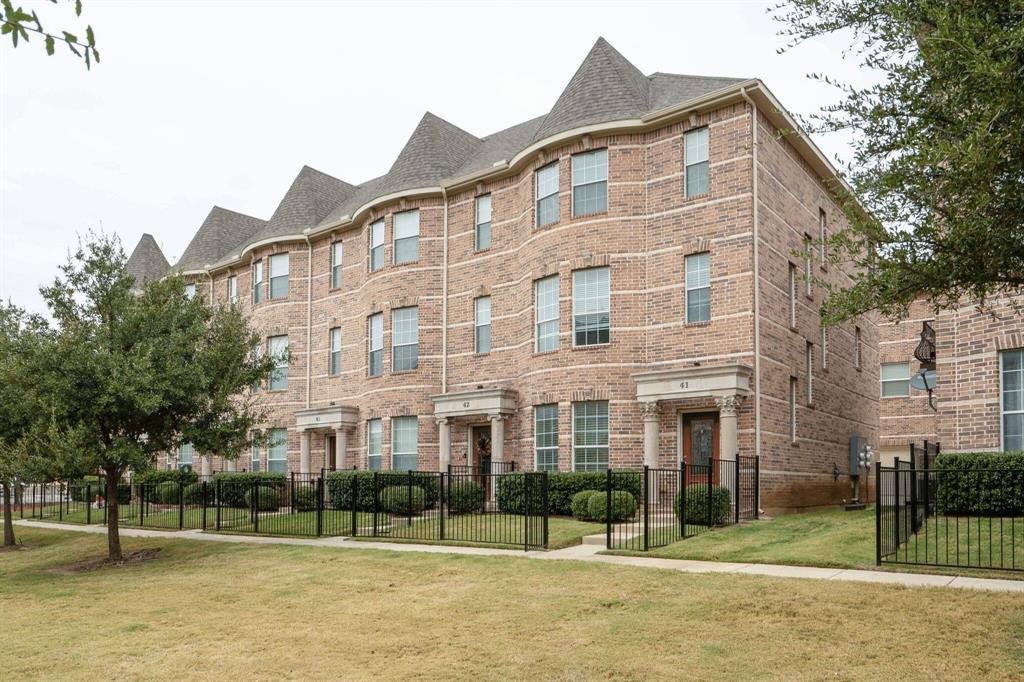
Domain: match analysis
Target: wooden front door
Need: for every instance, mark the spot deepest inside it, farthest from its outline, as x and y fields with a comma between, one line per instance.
x=700, y=445
x=329, y=452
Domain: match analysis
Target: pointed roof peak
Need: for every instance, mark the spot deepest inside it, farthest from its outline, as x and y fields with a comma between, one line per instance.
x=309, y=199
x=222, y=231
x=434, y=151
x=147, y=261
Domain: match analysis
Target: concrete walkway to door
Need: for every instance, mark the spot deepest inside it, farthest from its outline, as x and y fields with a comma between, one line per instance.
x=585, y=552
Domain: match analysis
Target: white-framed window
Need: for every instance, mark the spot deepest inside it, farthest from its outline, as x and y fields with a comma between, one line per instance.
x=545, y=437
x=373, y=444
x=698, y=287
x=1011, y=403
x=190, y=290
x=233, y=289
x=277, y=451
x=590, y=435
x=279, y=275
x=895, y=379
x=809, y=371
x=822, y=235
x=792, y=296
x=404, y=439
x=696, y=157
x=335, y=340
x=376, y=242
x=405, y=339
x=546, y=181
x=482, y=238
x=824, y=347
x=406, y=233
x=184, y=455
x=590, y=306
x=257, y=282
x=337, y=253
x=857, y=348
x=482, y=324
x=256, y=455
x=590, y=182
x=375, y=344
x=808, y=275
x=792, y=409
x=277, y=348
x=545, y=294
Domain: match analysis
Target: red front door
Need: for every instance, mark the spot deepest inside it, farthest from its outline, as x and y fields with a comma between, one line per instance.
x=700, y=446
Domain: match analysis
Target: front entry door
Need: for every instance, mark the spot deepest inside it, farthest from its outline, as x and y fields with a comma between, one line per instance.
x=329, y=453
x=480, y=456
x=700, y=445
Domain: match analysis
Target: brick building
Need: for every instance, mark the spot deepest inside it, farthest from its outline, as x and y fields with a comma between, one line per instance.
x=616, y=282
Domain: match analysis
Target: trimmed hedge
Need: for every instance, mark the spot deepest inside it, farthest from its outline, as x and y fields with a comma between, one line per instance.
x=97, y=485
x=402, y=500
x=304, y=499
x=193, y=494
x=268, y=499
x=979, y=484
x=562, y=485
x=163, y=493
x=580, y=504
x=623, y=506
x=339, y=487
x=235, y=484
x=465, y=497
x=697, y=505
x=157, y=476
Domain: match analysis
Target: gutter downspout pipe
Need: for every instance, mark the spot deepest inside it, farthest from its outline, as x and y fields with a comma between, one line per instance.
x=444, y=298
x=757, y=282
x=309, y=319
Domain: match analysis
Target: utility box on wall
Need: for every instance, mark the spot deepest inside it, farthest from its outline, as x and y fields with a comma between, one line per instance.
x=857, y=443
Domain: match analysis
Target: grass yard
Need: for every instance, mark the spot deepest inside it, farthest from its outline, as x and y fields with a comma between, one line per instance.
x=204, y=610
x=469, y=528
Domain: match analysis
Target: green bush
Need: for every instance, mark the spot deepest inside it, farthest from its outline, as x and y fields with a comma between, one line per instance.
x=232, y=486
x=163, y=493
x=623, y=506
x=696, y=509
x=562, y=485
x=267, y=498
x=978, y=484
x=157, y=476
x=342, y=484
x=580, y=504
x=91, y=486
x=402, y=500
x=465, y=497
x=304, y=499
x=193, y=494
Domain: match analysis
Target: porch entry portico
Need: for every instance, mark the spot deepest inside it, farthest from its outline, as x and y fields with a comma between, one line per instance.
x=334, y=422
x=485, y=411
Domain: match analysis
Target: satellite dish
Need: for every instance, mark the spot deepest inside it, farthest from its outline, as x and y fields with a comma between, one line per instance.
x=924, y=380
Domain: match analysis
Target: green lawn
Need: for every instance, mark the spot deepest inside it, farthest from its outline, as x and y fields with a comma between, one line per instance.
x=299, y=523
x=206, y=610
x=504, y=529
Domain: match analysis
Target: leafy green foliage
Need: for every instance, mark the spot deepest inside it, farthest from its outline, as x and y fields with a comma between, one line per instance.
x=348, y=487
x=562, y=485
x=580, y=504
x=304, y=499
x=938, y=153
x=17, y=23
x=622, y=509
x=154, y=476
x=696, y=508
x=262, y=498
x=464, y=497
x=232, y=486
x=89, y=487
x=167, y=492
x=403, y=500
x=979, y=483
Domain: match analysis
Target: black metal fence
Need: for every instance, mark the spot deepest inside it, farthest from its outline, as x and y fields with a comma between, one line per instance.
x=674, y=504
x=961, y=518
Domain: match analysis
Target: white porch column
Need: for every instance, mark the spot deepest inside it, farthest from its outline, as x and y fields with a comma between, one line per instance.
x=229, y=465
x=204, y=465
x=727, y=441
x=444, y=430
x=651, y=414
x=340, y=448
x=497, y=438
x=304, y=451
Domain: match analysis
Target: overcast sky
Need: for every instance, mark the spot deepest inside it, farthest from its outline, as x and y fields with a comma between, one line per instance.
x=221, y=103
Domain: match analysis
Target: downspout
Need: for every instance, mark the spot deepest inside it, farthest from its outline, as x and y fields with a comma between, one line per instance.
x=309, y=319
x=444, y=298
x=757, y=284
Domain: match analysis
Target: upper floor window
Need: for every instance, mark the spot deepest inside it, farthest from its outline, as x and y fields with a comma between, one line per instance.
x=824, y=347
x=590, y=435
x=233, y=289
x=590, y=307
x=377, y=245
x=546, y=306
x=405, y=339
x=696, y=157
x=808, y=276
x=857, y=349
x=373, y=444
x=590, y=182
x=545, y=437
x=254, y=458
x=546, y=180
x=336, y=255
x=822, y=235
x=895, y=378
x=375, y=347
x=483, y=223
x=277, y=347
x=792, y=409
x=792, y=296
x=190, y=290
x=257, y=356
x=698, y=287
x=279, y=275
x=404, y=437
x=406, y=231
x=1011, y=365
x=184, y=455
x=809, y=371
x=257, y=282
x=335, y=340
x=482, y=325
x=277, y=451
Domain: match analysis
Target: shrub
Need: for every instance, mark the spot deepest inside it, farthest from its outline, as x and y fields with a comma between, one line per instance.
x=341, y=485
x=193, y=494
x=157, y=476
x=163, y=493
x=623, y=506
x=402, y=500
x=91, y=486
x=696, y=508
x=267, y=498
x=304, y=499
x=465, y=497
x=979, y=484
x=562, y=485
x=580, y=504
x=232, y=486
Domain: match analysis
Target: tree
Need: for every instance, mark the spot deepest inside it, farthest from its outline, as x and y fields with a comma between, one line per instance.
x=18, y=23
x=136, y=375
x=938, y=156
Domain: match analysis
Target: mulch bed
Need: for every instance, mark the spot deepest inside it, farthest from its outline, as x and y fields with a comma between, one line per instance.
x=87, y=565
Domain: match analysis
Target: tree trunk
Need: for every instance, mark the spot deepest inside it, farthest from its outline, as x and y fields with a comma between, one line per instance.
x=8, y=516
x=113, y=531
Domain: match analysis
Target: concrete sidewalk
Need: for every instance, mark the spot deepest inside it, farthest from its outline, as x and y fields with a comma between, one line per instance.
x=584, y=552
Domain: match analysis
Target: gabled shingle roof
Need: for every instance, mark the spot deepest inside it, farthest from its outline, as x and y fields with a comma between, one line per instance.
x=309, y=200
x=147, y=262
x=220, y=235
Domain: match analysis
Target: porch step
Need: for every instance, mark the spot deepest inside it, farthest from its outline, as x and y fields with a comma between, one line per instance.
x=598, y=539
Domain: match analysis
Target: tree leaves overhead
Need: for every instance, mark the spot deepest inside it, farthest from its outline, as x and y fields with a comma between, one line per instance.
x=19, y=24
x=938, y=156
